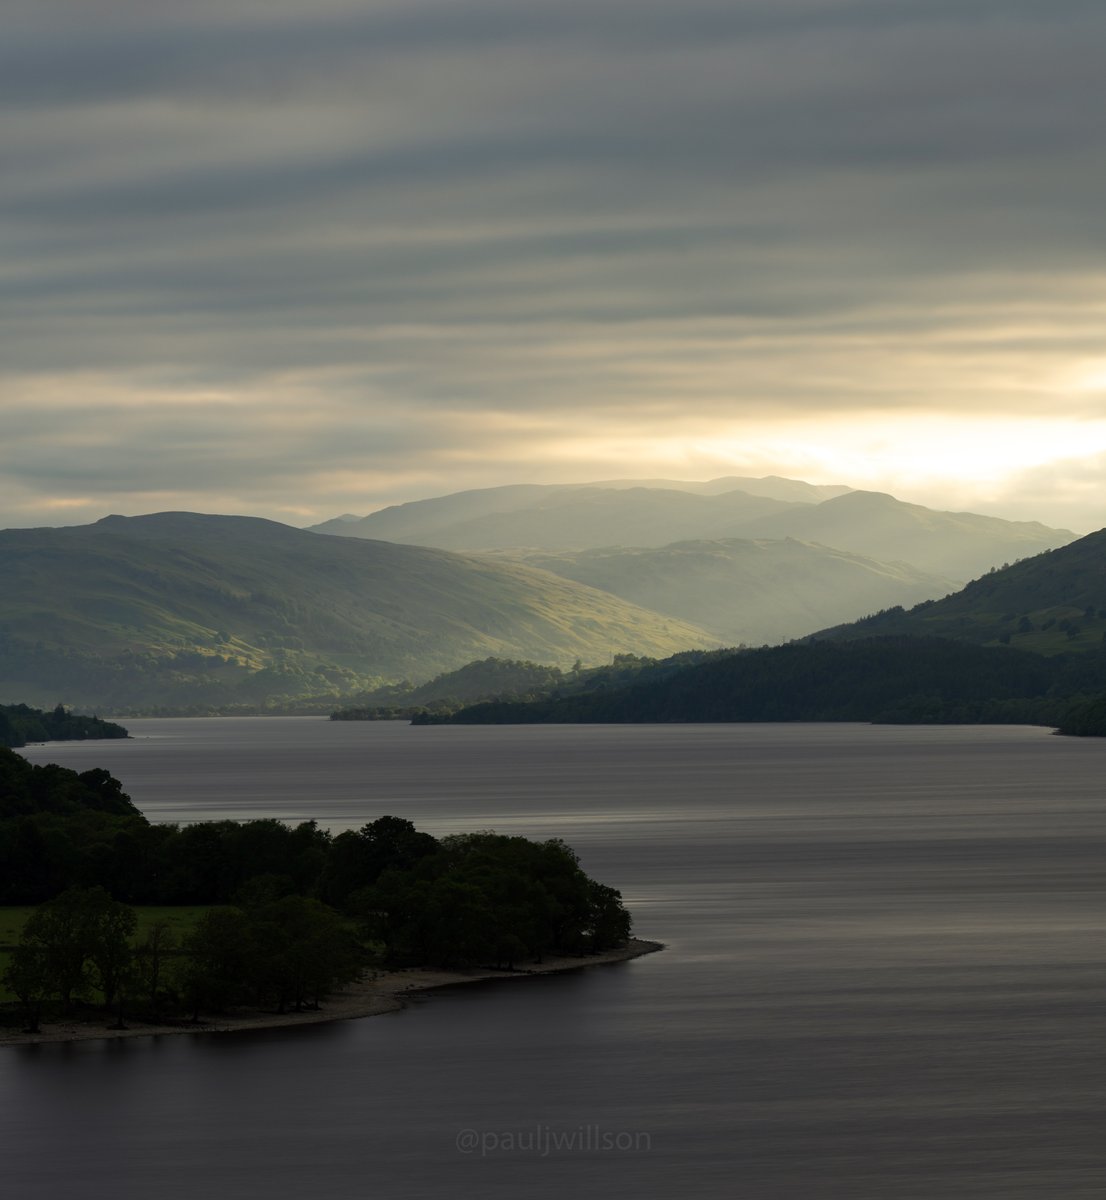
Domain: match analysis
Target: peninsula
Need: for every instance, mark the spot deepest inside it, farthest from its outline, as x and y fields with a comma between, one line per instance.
x=224, y=924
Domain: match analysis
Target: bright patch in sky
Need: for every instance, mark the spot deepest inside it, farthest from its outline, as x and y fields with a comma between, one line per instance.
x=917, y=452
x=1089, y=377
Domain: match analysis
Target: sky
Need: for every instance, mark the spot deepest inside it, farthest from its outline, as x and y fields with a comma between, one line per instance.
x=295, y=260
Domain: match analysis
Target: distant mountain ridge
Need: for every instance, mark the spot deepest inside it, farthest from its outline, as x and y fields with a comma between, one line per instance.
x=196, y=611
x=772, y=487
x=875, y=524
x=653, y=513
x=419, y=520
x=556, y=518
x=178, y=608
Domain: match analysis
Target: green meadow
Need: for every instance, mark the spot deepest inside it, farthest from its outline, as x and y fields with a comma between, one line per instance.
x=180, y=918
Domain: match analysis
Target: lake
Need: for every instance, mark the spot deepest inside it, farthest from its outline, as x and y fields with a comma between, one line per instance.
x=884, y=977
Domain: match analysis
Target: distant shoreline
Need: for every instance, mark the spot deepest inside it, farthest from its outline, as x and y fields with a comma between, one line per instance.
x=387, y=992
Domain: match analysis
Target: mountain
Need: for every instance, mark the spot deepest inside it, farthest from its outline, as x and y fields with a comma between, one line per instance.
x=431, y=522
x=1054, y=602
x=556, y=518
x=960, y=545
x=182, y=608
x=747, y=592
x=419, y=521
x=653, y=513
x=774, y=487
x=1025, y=644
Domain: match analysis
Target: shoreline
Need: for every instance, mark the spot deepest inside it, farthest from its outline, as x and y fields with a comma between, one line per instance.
x=386, y=992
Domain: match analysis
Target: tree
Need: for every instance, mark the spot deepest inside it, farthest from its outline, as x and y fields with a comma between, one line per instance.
x=608, y=921
x=103, y=791
x=150, y=961
x=28, y=977
x=76, y=941
x=214, y=971
x=111, y=927
x=62, y=930
x=1087, y=718
x=301, y=950
x=489, y=898
x=456, y=925
x=357, y=860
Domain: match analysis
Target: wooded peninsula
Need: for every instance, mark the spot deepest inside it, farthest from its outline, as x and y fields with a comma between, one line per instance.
x=122, y=919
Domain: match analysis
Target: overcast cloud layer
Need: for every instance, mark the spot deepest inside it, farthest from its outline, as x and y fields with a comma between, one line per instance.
x=292, y=260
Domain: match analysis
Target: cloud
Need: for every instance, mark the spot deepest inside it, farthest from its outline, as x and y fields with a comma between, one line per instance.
x=1068, y=489
x=416, y=244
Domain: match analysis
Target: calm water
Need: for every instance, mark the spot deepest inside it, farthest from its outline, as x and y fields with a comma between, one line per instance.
x=884, y=978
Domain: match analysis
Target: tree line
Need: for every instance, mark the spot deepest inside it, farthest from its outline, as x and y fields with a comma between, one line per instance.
x=82, y=945
x=886, y=679
x=501, y=679
x=20, y=724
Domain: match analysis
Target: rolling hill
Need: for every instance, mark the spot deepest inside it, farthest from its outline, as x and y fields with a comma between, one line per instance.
x=1052, y=603
x=748, y=592
x=182, y=608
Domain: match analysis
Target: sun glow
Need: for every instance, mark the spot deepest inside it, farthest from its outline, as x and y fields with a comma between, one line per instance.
x=908, y=451
x=1089, y=377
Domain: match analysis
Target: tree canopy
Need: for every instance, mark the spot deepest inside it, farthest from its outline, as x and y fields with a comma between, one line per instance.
x=1085, y=719
x=20, y=724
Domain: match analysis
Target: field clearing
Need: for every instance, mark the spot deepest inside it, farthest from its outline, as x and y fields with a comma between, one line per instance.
x=180, y=918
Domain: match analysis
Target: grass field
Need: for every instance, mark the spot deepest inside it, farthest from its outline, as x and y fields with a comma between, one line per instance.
x=180, y=919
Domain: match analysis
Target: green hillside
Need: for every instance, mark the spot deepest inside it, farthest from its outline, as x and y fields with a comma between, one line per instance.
x=748, y=592
x=181, y=608
x=1050, y=604
x=1026, y=643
